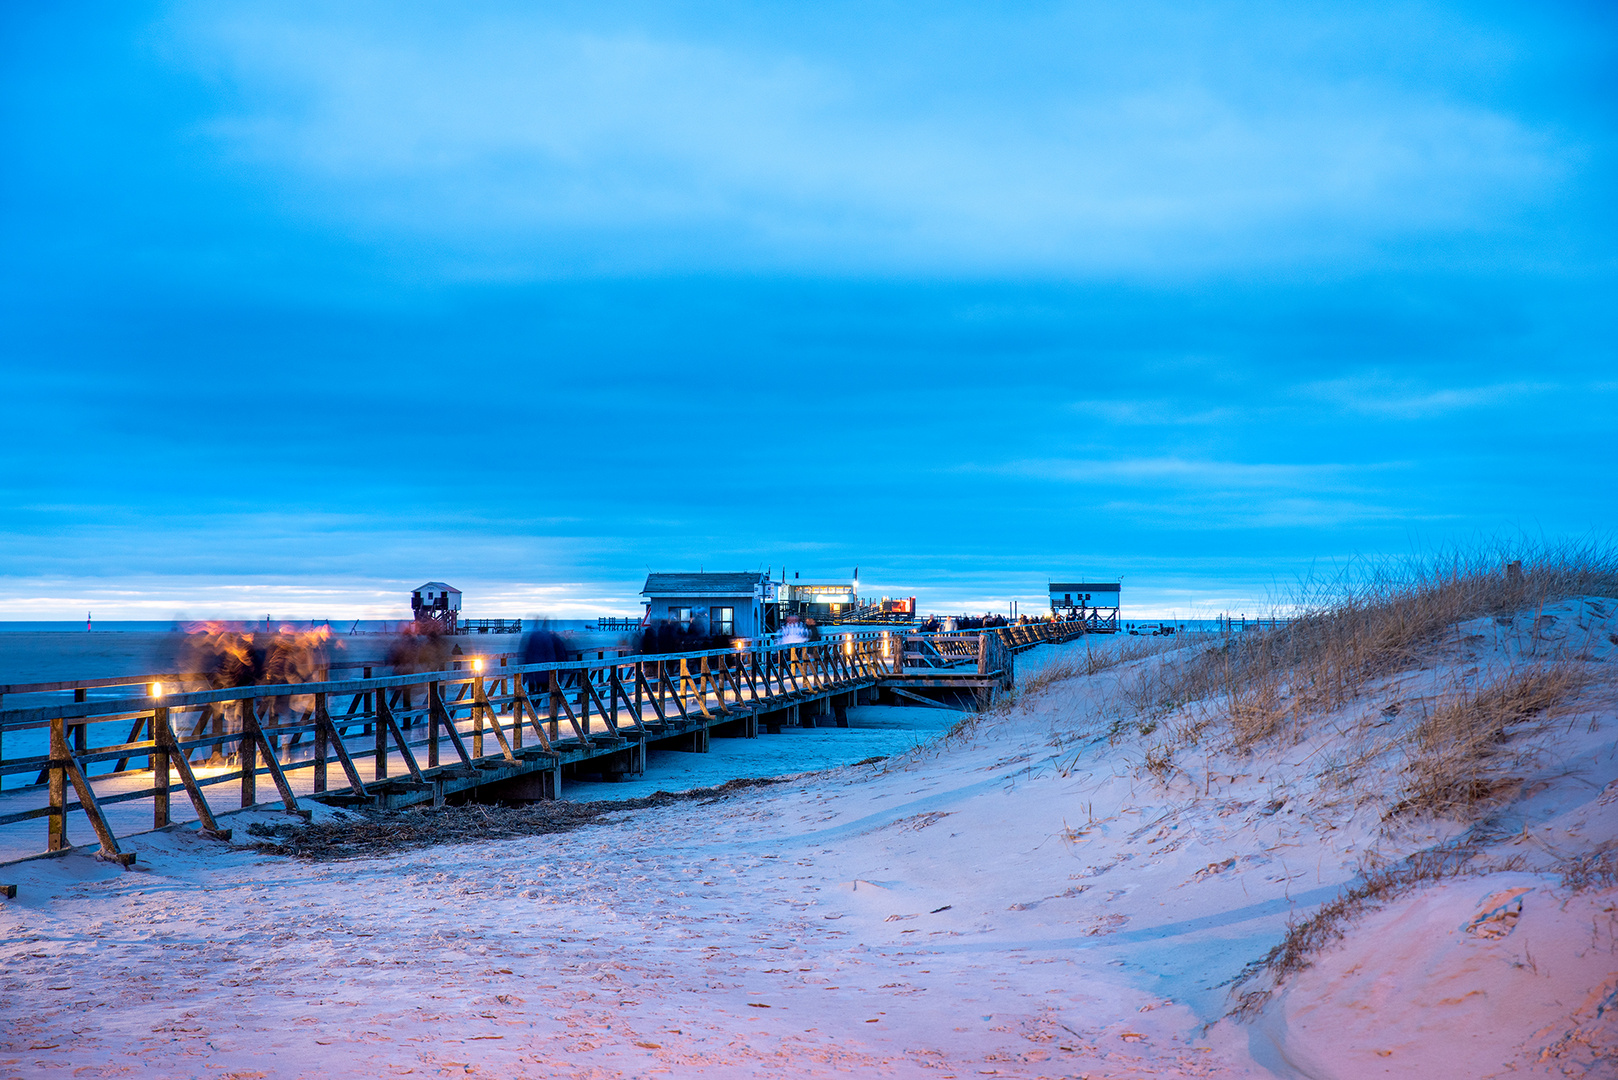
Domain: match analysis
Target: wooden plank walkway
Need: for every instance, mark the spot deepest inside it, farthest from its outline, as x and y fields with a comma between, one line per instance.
x=104, y=767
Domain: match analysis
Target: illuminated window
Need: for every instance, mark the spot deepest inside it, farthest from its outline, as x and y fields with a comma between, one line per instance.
x=681, y=615
x=722, y=620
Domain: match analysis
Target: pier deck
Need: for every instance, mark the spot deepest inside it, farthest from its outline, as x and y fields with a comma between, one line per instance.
x=109, y=765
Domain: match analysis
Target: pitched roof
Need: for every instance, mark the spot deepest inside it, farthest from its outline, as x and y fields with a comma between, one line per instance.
x=436, y=585
x=701, y=584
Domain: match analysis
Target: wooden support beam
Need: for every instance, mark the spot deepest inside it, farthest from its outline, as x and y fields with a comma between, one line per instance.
x=435, y=713
x=655, y=699
x=437, y=692
x=323, y=723
x=56, y=830
x=253, y=733
x=698, y=684
x=480, y=699
x=182, y=765
x=664, y=683
x=62, y=758
x=320, y=752
x=589, y=685
x=620, y=694
x=379, y=732
x=384, y=717
x=247, y=754
x=160, y=766
x=558, y=698
x=519, y=704
x=134, y=736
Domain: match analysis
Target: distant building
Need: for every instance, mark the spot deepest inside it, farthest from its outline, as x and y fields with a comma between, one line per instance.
x=437, y=608
x=821, y=602
x=437, y=604
x=1095, y=602
x=730, y=604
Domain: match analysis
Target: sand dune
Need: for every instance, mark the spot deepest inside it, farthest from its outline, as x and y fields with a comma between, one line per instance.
x=1074, y=886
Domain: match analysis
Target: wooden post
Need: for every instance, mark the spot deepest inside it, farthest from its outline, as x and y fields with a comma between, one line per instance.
x=216, y=751
x=379, y=769
x=481, y=706
x=519, y=690
x=435, y=708
x=247, y=752
x=182, y=765
x=63, y=757
x=640, y=680
x=324, y=723
x=321, y=749
x=519, y=702
x=384, y=718
x=160, y=767
x=584, y=704
x=56, y=838
x=253, y=734
x=79, y=735
x=368, y=710
x=478, y=707
x=551, y=709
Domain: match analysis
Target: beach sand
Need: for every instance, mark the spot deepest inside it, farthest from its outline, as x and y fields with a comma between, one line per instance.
x=1029, y=897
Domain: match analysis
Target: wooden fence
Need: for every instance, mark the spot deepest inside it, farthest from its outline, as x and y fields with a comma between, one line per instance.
x=399, y=730
x=356, y=740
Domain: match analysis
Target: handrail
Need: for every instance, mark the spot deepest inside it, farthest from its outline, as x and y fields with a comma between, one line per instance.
x=583, y=708
x=588, y=707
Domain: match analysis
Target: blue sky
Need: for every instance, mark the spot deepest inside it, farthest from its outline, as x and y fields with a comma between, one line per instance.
x=305, y=304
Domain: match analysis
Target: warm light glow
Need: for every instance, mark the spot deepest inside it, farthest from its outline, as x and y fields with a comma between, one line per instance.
x=156, y=689
x=477, y=665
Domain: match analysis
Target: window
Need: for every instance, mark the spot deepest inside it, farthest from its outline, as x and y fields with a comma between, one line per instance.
x=722, y=620
x=681, y=615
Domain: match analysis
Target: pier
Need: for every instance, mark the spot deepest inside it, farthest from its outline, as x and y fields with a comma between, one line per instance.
x=128, y=755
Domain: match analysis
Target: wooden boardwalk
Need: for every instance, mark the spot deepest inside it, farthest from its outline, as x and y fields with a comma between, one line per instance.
x=164, y=751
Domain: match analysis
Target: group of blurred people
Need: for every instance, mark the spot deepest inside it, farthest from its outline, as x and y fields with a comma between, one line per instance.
x=227, y=656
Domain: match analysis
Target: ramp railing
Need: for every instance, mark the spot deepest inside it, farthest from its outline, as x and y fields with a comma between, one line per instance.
x=171, y=737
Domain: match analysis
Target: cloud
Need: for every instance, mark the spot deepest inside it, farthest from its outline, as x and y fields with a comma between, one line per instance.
x=528, y=142
x=1182, y=472
x=163, y=597
x=1165, y=412
x=1378, y=395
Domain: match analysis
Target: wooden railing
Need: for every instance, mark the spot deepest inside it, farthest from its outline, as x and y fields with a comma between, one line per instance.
x=956, y=648
x=392, y=730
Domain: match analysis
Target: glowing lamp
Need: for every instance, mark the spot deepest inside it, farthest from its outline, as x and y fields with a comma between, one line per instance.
x=156, y=689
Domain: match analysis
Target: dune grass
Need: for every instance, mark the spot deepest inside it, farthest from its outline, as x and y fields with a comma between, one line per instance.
x=1459, y=748
x=1092, y=661
x=1379, y=621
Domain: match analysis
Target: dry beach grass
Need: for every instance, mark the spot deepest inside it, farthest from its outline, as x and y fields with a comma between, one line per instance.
x=1468, y=740
x=1348, y=636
